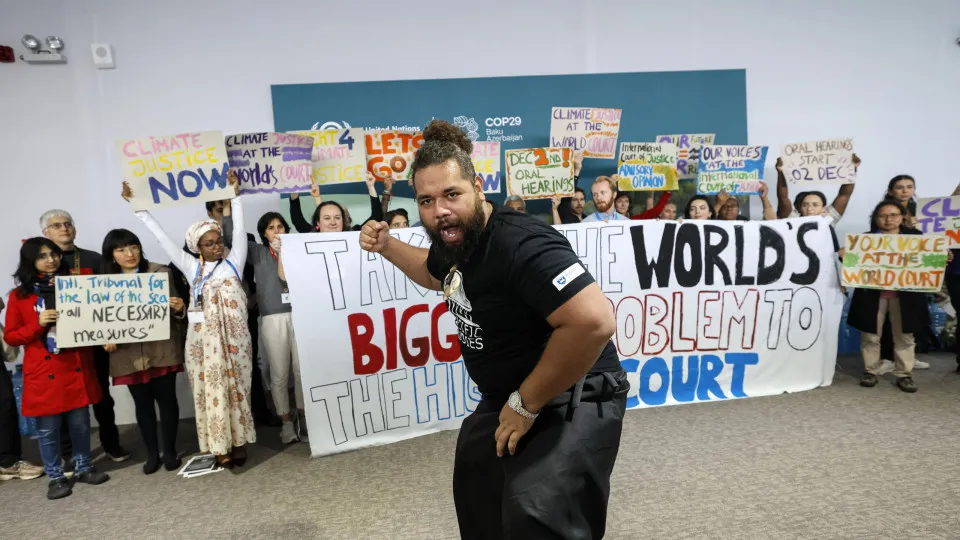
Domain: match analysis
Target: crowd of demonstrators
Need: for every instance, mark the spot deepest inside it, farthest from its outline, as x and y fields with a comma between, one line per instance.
x=227, y=290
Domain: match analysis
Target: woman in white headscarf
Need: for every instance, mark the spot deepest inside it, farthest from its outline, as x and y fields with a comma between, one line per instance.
x=219, y=356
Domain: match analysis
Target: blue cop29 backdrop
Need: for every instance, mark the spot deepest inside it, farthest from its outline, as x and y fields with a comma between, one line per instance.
x=516, y=110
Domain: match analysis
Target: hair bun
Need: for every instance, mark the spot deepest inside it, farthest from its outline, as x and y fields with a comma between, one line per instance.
x=441, y=131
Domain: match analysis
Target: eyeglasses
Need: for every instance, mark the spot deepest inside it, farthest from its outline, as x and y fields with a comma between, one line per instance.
x=132, y=250
x=451, y=283
x=61, y=225
x=51, y=256
x=212, y=244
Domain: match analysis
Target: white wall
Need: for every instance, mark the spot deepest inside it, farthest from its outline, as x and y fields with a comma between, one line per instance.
x=886, y=72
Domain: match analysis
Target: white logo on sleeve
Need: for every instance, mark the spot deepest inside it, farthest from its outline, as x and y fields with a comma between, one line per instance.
x=573, y=272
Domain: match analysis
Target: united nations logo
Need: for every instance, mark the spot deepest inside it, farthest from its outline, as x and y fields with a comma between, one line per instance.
x=330, y=125
x=469, y=125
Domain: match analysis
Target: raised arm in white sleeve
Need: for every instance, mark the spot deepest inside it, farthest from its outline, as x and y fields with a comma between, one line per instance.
x=187, y=264
x=238, y=253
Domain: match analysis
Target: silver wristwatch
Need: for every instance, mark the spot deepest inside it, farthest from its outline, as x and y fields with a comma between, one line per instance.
x=516, y=403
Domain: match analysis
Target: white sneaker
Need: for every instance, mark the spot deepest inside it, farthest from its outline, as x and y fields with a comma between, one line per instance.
x=287, y=433
x=886, y=366
x=920, y=364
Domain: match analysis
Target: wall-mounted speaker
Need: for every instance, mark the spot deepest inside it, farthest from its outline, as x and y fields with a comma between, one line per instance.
x=103, y=56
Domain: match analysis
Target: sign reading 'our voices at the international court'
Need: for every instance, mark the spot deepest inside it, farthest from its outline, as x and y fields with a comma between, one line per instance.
x=168, y=170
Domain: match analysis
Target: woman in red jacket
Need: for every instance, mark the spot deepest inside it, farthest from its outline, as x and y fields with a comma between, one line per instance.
x=58, y=385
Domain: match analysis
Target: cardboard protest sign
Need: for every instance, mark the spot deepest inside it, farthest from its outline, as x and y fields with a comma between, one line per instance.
x=338, y=156
x=828, y=161
x=540, y=173
x=705, y=311
x=590, y=129
x=270, y=162
x=486, y=161
x=940, y=215
x=688, y=151
x=736, y=169
x=647, y=167
x=390, y=153
x=911, y=262
x=168, y=170
x=112, y=308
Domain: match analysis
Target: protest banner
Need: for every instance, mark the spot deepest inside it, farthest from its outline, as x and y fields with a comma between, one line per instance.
x=168, y=170
x=828, y=161
x=390, y=153
x=270, y=162
x=737, y=170
x=909, y=262
x=112, y=308
x=590, y=129
x=705, y=311
x=688, y=151
x=486, y=161
x=540, y=173
x=338, y=156
x=647, y=167
x=940, y=215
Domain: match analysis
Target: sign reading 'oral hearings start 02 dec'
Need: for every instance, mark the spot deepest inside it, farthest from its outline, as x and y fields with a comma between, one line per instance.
x=704, y=311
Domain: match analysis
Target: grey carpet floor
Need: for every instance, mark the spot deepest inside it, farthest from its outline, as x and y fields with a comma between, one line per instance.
x=837, y=462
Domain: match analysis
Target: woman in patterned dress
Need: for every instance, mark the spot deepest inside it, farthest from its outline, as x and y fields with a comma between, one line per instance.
x=219, y=355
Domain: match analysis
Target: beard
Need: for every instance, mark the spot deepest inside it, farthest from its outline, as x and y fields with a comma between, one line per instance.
x=472, y=228
x=603, y=206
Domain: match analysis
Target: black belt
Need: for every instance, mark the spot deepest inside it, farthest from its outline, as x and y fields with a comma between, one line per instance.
x=592, y=388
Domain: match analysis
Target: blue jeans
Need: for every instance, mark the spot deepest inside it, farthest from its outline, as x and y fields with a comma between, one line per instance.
x=48, y=427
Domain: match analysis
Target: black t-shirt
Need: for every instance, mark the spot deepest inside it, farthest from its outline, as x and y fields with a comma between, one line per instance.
x=522, y=270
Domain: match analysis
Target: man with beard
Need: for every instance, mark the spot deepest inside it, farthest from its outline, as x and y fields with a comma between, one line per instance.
x=604, y=192
x=534, y=459
x=569, y=209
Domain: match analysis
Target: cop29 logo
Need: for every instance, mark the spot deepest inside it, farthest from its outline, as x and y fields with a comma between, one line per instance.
x=508, y=121
x=468, y=125
x=330, y=125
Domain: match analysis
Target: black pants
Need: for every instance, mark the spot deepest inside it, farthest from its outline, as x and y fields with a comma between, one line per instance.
x=10, y=451
x=163, y=392
x=555, y=486
x=953, y=288
x=102, y=410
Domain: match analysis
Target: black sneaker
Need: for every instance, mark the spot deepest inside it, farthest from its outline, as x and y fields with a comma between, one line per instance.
x=906, y=384
x=868, y=380
x=59, y=488
x=117, y=455
x=92, y=476
x=171, y=462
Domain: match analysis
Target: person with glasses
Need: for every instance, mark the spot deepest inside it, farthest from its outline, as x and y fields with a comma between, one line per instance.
x=907, y=310
x=148, y=369
x=219, y=354
x=58, y=385
x=535, y=457
x=59, y=226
